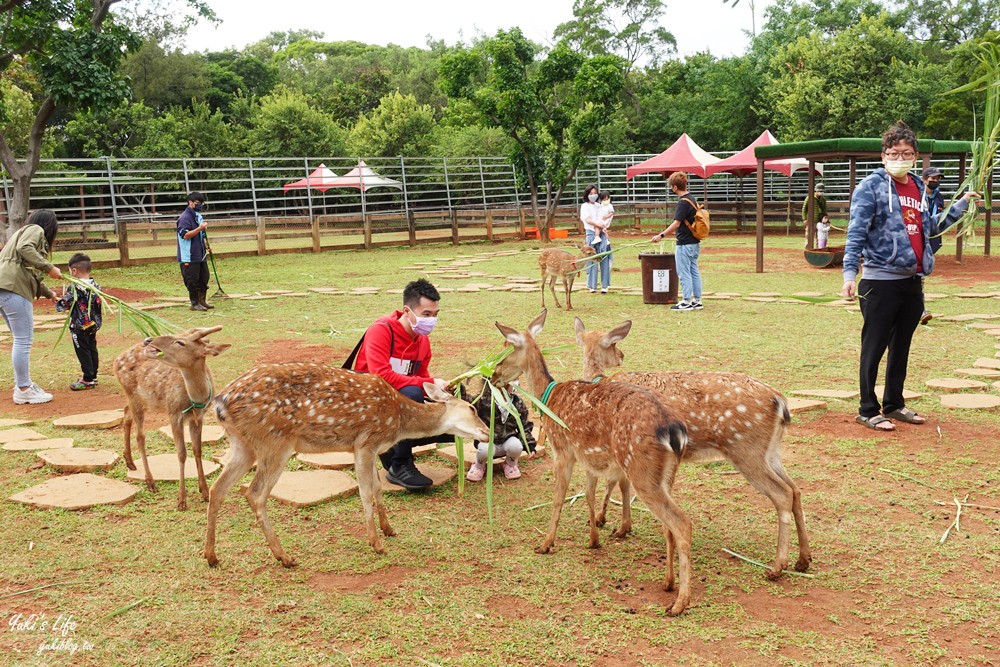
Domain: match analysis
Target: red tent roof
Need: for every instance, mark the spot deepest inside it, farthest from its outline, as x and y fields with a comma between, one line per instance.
x=683, y=155
x=744, y=163
x=321, y=179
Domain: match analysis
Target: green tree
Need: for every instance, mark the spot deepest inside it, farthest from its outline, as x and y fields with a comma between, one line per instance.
x=554, y=108
x=287, y=125
x=952, y=22
x=234, y=74
x=398, y=126
x=161, y=78
x=627, y=28
x=71, y=53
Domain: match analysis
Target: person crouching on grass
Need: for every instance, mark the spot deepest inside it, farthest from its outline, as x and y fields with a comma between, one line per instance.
x=84, y=320
x=506, y=436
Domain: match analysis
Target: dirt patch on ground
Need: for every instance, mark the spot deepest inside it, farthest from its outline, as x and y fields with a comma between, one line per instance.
x=385, y=580
x=281, y=351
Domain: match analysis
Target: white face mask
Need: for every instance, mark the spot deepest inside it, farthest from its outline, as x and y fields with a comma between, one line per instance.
x=592, y=198
x=899, y=168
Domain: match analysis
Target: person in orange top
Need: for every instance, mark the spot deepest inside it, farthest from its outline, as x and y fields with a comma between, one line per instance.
x=397, y=348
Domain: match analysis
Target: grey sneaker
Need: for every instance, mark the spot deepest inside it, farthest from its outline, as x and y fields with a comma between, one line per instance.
x=683, y=305
x=33, y=395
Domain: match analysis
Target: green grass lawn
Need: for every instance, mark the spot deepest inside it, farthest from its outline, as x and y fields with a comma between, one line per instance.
x=454, y=589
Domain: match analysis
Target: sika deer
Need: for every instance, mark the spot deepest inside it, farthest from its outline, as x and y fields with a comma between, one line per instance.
x=168, y=373
x=275, y=410
x=729, y=416
x=618, y=432
x=556, y=263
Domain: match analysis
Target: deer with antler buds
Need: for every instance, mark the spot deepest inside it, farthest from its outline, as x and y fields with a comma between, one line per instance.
x=275, y=410
x=729, y=416
x=168, y=373
x=556, y=264
x=617, y=432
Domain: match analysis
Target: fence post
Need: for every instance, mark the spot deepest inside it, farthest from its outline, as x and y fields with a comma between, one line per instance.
x=453, y=214
x=187, y=181
x=410, y=221
x=120, y=228
x=489, y=224
x=599, y=186
x=367, y=222
x=482, y=181
x=313, y=225
x=261, y=244
x=447, y=185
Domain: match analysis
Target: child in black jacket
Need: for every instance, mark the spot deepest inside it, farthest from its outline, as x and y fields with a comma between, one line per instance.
x=506, y=436
x=84, y=320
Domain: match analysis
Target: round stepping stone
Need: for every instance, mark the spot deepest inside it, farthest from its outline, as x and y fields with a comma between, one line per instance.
x=970, y=401
x=467, y=289
x=47, y=327
x=765, y=294
x=827, y=393
x=838, y=303
x=439, y=475
x=276, y=291
x=7, y=423
x=524, y=289
x=987, y=362
x=712, y=297
x=978, y=372
x=30, y=445
x=808, y=294
x=325, y=290
x=935, y=295
x=982, y=325
x=99, y=419
x=165, y=469
x=996, y=386
x=967, y=317
x=974, y=295
x=992, y=332
x=446, y=290
x=77, y=492
x=258, y=297
x=328, y=460
x=907, y=394
x=19, y=434
x=79, y=459
x=799, y=302
x=797, y=405
x=49, y=318
x=303, y=488
x=175, y=299
x=761, y=299
x=731, y=295
x=230, y=296
x=955, y=384
x=209, y=433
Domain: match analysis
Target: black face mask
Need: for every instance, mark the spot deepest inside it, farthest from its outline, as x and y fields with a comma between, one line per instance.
x=933, y=185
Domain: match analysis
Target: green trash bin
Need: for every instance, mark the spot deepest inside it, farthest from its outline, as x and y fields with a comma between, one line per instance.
x=659, y=277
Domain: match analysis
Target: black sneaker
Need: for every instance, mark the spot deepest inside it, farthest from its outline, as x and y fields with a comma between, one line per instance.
x=408, y=477
x=386, y=459
x=683, y=305
x=696, y=305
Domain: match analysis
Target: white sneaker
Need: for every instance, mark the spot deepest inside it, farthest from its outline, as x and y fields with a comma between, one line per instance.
x=33, y=395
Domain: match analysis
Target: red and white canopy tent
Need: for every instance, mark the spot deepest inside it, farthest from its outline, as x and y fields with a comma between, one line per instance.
x=683, y=155
x=744, y=163
x=361, y=178
x=320, y=179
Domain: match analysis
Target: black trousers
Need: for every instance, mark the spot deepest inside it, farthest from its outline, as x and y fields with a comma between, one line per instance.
x=85, y=346
x=195, y=276
x=892, y=310
x=402, y=451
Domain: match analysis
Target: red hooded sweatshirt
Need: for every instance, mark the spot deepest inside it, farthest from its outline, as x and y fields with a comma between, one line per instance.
x=391, y=351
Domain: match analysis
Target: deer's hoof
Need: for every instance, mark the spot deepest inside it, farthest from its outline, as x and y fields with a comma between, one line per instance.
x=213, y=561
x=130, y=464
x=289, y=562
x=677, y=609
x=151, y=486
x=621, y=533
x=772, y=574
x=802, y=565
x=543, y=549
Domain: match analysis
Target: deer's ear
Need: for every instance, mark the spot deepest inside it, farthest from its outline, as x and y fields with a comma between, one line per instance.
x=579, y=328
x=435, y=393
x=536, y=325
x=215, y=349
x=513, y=336
x=617, y=334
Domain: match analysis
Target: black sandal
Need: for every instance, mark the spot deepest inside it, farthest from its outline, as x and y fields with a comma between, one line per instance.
x=873, y=422
x=906, y=415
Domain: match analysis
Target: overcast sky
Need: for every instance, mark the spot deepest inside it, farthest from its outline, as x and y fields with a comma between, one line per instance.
x=697, y=25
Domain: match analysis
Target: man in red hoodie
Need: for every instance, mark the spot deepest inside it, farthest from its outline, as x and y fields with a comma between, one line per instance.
x=396, y=347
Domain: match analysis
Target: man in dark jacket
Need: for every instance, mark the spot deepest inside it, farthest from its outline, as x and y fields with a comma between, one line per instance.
x=192, y=249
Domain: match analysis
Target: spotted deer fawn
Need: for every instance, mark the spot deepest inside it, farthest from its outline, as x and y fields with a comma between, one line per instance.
x=555, y=264
x=273, y=411
x=168, y=373
x=617, y=432
x=729, y=416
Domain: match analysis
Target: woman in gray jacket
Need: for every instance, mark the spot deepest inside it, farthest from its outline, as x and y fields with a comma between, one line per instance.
x=24, y=264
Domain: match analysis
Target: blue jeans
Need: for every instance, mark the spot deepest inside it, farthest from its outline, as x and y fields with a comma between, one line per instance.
x=603, y=263
x=687, y=271
x=19, y=314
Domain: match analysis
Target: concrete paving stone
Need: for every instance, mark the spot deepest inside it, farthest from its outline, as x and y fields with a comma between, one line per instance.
x=827, y=393
x=978, y=372
x=467, y=289
x=797, y=405
x=765, y=294
x=439, y=475
x=394, y=291
x=480, y=285
x=444, y=259
x=974, y=295
x=79, y=459
x=175, y=299
x=839, y=303
x=952, y=385
x=987, y=362
x=970, y=401
x=210, y=433
x=713, y=297
x=20, y=434
x=230, y=296
x=99, y=419
x=328, y=460
x=498, y=288
x=276, y=291
x=731, y=295
x=31, y=445
x=303, y=488
x=809, y=294
x=7, y=423
x=47, y=327
x=991, y=332
x=996, y=386
x=164, y=468
x=907, y=394
x=799, y=302
x=46, y=319
x=968, y=317
x=935, y=295
x=760, y=299
x=77, y=492
x=982, y=325
x=446, y=290
x=524, y=289
x=325, y=290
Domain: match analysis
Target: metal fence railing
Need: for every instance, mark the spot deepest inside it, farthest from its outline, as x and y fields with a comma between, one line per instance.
x=124, y=210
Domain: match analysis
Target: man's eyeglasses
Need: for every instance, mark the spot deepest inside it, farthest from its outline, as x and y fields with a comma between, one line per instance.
x=896, y=155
